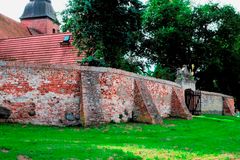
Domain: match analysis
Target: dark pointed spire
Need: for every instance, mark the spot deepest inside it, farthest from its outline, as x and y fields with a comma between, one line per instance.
x=39, y=9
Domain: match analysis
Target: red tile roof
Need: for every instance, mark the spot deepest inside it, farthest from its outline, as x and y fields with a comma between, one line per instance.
x=42, y=49
x=12, y=29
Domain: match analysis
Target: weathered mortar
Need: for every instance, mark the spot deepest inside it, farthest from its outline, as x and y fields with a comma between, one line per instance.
x=145, y=109
x=116, y=88
x=40, y=94
x=70, y=95
x=216, y=103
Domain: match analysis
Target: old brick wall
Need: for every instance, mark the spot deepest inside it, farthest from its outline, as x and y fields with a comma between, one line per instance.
x=216, y=103
x=108, y=95
x=40, y=94
x=70, y=95
x=228, y=105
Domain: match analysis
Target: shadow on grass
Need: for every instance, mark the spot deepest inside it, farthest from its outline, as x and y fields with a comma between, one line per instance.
x=68, y=152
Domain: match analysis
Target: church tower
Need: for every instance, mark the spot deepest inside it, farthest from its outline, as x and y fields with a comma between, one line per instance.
x=40, y=17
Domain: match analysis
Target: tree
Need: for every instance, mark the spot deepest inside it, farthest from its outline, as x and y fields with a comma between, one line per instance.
x=219, y=34
x=162, y=72
x=168, y=30
x=205, y=36
x=106, y=30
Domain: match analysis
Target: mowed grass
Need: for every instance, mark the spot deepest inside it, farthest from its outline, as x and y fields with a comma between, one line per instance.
x=204, y=137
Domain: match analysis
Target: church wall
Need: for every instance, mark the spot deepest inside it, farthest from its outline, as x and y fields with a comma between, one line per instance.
x=40, y=94
x=42, y=25
x=65, y=95
x=216, y=103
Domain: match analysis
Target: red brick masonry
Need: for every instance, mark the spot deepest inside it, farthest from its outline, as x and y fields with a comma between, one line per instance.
x=42, y=25
x=72, y=95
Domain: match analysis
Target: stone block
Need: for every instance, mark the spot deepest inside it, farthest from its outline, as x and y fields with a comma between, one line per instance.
x=4, y=113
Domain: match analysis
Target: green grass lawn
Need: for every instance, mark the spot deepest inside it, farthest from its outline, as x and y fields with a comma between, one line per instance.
x=204, y=137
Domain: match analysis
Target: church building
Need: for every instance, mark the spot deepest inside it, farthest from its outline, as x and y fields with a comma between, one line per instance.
x=37, y=38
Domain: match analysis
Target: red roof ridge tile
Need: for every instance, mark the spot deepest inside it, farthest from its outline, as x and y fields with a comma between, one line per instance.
x=39, y=36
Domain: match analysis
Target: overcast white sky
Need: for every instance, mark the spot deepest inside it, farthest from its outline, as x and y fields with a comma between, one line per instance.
x=14, y=8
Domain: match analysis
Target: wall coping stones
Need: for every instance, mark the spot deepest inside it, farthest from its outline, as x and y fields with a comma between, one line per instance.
x=216, y=94
x=126, y=73
x=84, y=68
x=12, y=64
x=97, y=69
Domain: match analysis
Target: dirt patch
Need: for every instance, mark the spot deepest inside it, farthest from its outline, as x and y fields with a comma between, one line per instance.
x=170, y=125
x=23, y=157
x=4, y=150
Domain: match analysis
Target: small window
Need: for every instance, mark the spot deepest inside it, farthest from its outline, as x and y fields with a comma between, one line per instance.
x=53, y=31
x=66, y=41
x=66, y=38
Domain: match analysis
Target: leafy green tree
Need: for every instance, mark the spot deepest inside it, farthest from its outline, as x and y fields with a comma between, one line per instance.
x=168, y=31
x=159, y=72
x=213, y=36
x=108, y=31
x=218, y=39
x=178, y=35
x=205, y=36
